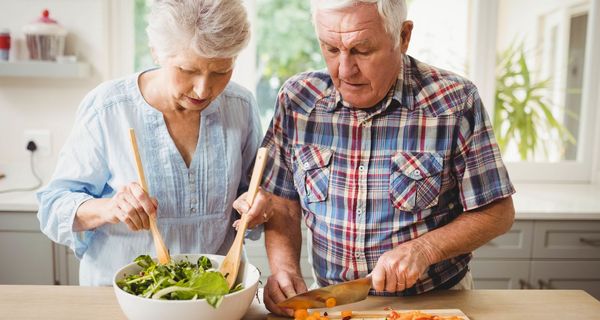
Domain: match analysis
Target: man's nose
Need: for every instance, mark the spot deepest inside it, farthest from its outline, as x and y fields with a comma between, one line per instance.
x=348, y=67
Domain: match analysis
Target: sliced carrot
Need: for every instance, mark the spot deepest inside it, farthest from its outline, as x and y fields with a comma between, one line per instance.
x=300, y=314
x=331, y=302
x=346, y=313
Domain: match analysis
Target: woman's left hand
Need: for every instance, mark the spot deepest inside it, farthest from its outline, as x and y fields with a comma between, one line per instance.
x=260, y=212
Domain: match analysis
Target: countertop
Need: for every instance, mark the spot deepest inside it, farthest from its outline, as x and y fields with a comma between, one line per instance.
x=69, y=302
x=532, y=201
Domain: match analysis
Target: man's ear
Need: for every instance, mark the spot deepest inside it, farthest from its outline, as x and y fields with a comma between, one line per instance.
x=405, y=33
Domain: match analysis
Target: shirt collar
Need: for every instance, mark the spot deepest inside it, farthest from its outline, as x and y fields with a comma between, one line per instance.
x=394, y=96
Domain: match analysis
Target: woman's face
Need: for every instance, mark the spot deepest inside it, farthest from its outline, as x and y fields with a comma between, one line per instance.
x=193, y=82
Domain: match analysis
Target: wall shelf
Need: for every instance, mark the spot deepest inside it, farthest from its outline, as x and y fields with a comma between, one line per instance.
x=44, y=69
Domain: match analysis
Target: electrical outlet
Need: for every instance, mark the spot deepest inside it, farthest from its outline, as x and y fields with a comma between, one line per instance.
x=41, y=139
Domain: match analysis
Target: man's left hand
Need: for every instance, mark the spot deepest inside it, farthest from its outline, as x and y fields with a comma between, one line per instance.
x=401, y=267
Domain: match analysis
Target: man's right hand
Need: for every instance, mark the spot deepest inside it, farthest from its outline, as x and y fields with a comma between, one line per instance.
x=281, y=286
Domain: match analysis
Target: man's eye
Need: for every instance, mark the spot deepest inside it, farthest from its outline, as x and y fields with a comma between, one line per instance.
x=184, y=70
x=332, y=50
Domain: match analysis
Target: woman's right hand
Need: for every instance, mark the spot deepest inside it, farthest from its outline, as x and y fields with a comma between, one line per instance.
x=133, y=206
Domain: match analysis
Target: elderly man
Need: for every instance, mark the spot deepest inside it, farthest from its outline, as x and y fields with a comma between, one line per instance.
x=392, y=163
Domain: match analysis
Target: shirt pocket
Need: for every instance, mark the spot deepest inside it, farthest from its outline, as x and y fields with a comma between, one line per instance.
x=312, y=169
x=415, y=180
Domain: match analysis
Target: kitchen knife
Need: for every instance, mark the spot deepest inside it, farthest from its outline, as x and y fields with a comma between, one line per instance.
x=344, y=293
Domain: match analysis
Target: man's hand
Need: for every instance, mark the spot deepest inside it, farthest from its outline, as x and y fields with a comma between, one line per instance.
x=401, y=267
x=281, y=286
x=260, y=212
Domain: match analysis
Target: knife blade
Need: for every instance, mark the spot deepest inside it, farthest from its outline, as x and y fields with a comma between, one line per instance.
x=344, y=293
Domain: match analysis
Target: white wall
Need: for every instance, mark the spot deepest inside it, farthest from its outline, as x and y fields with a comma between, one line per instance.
x=95, y=35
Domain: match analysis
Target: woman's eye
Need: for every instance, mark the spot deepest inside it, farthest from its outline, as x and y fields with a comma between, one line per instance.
x=185, y=70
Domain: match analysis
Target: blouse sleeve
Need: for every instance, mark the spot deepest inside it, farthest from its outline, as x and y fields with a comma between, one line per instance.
x=81, y=174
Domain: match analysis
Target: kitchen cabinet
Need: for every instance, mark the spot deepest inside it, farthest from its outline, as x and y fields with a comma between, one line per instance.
x=28, y=256
x=542, y=254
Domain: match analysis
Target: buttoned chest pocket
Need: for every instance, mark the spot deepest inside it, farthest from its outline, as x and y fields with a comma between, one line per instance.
x=415, y=180
x=311, y=172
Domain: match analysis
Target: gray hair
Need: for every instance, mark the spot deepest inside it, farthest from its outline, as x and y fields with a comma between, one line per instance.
x=393, y=12
x=212, y=28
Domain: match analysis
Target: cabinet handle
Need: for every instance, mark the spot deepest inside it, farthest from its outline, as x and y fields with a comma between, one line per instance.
x=525, y=284
x=544, y=284
x=591, y=242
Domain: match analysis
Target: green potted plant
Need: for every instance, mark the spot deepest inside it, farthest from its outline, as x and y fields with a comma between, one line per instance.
x=522, y=109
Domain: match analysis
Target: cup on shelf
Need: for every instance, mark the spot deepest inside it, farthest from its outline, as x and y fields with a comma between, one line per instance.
x=45, y=38
x=4, y=44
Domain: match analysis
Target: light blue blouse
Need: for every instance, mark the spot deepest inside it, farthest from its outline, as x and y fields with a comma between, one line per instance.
x=195, y=204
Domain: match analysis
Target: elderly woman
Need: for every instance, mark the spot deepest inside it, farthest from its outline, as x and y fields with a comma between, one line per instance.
x=198, y=135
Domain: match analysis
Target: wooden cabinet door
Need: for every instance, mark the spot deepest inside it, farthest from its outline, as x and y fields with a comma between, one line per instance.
x=583, y=275
x=500, y=274
x=27, y=254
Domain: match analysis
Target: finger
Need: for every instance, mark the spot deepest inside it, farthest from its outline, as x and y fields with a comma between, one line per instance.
x=277, y=296
x=139, y=214
x=300, y=286
x=130, y=224
x=143, y=198
x=287, y=288
x=236, y=223
x=378, y=278
x=390, y=281
x=125, y=214
x=259, y=205
x=273, y=307
x=240, y=205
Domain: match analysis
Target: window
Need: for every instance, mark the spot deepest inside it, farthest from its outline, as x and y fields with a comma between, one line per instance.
x=533, y=67
x=540, y=89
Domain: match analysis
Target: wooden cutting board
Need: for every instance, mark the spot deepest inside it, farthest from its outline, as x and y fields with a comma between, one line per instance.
x=381, y=314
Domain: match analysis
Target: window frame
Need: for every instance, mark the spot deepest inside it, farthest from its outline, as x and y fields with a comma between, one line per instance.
x=484, y=21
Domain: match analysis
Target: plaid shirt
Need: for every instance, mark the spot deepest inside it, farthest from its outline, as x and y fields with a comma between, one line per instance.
x=369, y=180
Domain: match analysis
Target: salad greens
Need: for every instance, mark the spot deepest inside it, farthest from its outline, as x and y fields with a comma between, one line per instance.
x=181, y=280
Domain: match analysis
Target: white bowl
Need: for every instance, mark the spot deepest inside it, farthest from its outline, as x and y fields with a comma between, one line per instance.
x=233, y=307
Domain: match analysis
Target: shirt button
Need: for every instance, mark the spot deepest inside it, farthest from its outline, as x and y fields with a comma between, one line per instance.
x=451, y=206
x=193, y=200
x=193, y=209
x=361, y=168
x=306, y=165
x=417, y=173
x=359, y=211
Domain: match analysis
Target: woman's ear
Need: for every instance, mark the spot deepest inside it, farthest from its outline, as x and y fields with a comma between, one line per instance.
x=154, y=57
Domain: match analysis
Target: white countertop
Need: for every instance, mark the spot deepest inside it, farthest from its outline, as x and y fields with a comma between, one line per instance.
x=532, y=201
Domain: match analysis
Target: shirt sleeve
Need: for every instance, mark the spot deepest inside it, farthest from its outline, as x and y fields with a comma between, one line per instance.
x=481, y=174
x=249, y=155
x=278, y=171
x=80, y=175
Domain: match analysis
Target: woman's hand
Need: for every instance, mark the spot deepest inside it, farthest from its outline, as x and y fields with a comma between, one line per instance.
x=260, y=212
x=132, y=206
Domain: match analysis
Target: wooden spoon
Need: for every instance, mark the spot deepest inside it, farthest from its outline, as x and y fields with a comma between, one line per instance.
x=231, y=264
x=161, y=250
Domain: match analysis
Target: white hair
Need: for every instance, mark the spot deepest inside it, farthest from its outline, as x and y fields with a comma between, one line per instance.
x=212, y=28
x=393, y=12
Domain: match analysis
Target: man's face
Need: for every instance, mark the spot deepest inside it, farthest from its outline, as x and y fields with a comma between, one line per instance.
x=361, y=57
